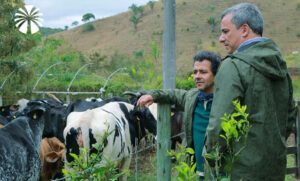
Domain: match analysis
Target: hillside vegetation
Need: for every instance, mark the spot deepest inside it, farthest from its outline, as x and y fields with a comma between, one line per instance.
x=84, y=58
x=193, y=33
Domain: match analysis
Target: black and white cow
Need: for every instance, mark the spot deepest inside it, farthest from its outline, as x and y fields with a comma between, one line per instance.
x=176, y=118
x=20, y=143
x=125, y=121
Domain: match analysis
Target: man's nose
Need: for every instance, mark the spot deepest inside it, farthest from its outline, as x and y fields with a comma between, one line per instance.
x=221, y=38
x=197, y=75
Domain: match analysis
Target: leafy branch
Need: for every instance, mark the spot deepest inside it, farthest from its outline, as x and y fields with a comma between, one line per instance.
x=236, y=128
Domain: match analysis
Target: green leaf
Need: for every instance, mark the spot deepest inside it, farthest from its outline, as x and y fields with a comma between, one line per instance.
x=225, y=179
x=74, y=156
x=190, y=151
x=222, y=136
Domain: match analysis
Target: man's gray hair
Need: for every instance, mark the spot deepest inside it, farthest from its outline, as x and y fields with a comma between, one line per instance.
x=246, y=13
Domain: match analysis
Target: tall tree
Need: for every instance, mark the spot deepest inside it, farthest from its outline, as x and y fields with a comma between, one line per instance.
x=141, y=11
x=134, y=9
x=86, y=17
x=135, y=20
x=151, y=4
x=75, y=23
x=212, y=22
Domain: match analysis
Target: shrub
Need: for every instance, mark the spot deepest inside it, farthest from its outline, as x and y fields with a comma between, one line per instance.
x=186, y=84
x=88, y=27
x=298, y=7
x=186, y=169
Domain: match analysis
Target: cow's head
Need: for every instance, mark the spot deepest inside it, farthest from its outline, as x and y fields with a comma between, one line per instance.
x=145, y=120
x=53, y=160
x=9, y=111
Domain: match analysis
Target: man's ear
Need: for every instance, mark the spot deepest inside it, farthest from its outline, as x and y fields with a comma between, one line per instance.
x=245, y=30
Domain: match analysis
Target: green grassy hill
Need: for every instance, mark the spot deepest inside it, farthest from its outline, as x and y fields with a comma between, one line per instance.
x=193, y=33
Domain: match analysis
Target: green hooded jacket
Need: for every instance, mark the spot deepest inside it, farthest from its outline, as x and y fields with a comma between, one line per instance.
x=185, y=101
x=258, y=77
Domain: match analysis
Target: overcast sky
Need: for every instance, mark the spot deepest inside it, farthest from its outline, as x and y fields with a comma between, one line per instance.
x=61, y=13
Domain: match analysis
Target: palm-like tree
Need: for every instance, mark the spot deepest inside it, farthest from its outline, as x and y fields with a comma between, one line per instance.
x=27, y=19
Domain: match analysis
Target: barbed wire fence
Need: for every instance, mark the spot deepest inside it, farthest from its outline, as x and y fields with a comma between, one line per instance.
x=134, y=154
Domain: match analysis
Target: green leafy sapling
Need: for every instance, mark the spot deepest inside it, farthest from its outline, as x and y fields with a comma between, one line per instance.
x=184, y=165
x=235, y=129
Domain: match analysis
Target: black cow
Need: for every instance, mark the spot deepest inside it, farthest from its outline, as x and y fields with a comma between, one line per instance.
x=176, y=128
x=55, y=120
x=3, y=121
x=20, y=144
x=8, y=111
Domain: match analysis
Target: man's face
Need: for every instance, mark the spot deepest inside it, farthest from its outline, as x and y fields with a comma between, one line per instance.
x=230, y=36
x=203, y=76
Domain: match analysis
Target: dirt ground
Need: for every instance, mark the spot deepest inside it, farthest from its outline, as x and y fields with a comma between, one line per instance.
x=146, y=161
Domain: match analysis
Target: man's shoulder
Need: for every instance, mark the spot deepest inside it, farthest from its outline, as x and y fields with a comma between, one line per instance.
x=193, y=90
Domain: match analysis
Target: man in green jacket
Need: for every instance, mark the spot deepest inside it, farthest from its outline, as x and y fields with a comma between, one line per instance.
x=255, y=73
x=195, y=103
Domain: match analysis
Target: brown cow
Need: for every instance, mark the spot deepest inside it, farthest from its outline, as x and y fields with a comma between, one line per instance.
x=51, y=152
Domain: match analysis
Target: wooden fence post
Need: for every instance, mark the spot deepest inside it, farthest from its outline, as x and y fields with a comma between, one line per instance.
x=169, y=76
x=297, y=135
x=163, y=143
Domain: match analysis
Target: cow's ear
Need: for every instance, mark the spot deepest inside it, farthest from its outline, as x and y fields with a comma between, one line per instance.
x=36, y=113
x=136, y=113
x=52, y=157
x=14, y=107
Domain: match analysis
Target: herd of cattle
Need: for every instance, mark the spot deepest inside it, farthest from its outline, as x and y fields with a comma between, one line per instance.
x=38, y=136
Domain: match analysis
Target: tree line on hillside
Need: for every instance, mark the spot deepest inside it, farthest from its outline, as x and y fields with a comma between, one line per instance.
x=138, y=13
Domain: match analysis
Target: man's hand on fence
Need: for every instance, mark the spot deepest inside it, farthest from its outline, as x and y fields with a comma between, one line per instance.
x=145, y=101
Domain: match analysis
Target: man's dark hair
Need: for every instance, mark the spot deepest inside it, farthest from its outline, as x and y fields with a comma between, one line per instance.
x=214, y=59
